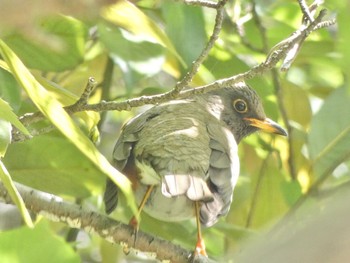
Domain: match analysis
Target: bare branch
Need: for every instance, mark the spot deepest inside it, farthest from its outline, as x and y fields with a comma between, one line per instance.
x=205, y=52
x=324, y=24
x=287, y=49
x=204, y=3
x=242, y=34
x=260, y=27
x=305, y=9
x=83, y=100
x=55, y=209
x=294, y=49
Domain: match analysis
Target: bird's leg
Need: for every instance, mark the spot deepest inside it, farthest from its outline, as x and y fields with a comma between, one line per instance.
x=200, y=246
x=134, y=220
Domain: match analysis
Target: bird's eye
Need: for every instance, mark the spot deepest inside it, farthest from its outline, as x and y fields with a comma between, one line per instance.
x=240, y=106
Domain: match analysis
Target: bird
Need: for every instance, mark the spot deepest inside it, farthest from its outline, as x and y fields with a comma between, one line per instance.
x=181, y=156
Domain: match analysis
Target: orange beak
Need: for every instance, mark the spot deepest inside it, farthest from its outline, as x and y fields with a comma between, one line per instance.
x=267, y=125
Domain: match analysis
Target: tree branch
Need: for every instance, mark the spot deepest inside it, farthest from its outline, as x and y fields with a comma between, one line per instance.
x=286, y=48
x=205, y=52
x=75, y=216
x=204, y=3
x=83, y=100
x=305, y=9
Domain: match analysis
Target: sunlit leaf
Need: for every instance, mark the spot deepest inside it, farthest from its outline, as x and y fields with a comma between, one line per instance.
x=7, y=114
x=298, y=110
x=65, y=97
x=268, y=191
x=264, y=201
x=136, y=56
x=5, y=136
x=5, y=178
x=54, y=111
x=52, y=164
x=343, y=29
x=140, y=25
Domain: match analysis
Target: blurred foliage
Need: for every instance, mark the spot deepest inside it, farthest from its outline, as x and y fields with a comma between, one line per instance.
x=145, y=47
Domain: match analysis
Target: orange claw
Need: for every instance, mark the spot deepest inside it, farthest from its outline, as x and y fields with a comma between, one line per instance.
x=200, y=248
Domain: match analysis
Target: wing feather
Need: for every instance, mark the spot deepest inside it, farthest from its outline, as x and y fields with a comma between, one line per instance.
x=122, y=155
x=223, y=174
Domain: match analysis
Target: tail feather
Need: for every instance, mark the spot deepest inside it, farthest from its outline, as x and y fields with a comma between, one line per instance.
x=194, y=187
x=110, y=196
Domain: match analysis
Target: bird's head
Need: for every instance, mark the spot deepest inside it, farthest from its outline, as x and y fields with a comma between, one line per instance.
x=243, y=112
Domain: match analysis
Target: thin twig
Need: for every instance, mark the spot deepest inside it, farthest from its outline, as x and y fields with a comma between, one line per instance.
x=305, y=9
x=106, y=86
x=205, y=52
x=83, y=100
x=294, y=50
x=204, y=3
x=283, y=111
x=278, y=92
x=324, y=24
x=30, y=118
x=260, y=27
x=255, y=195
x=239, y=24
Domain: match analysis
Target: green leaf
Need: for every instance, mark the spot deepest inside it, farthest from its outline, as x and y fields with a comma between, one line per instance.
x=234, y=231
x=129, y=48
x=35, y=245
x=298, y=110
x=126, y=15
x=190, y=42
x=329, y=137
x=54, y=111
x=291, y=191
x=52, y=164
x=5, y=178
x=5, y=136
x=222, y=64
x=136, y=56
x=7, y=114
x=9, y=89
x=270, y=193
x=267, y=201
x=61, y=48
x=344, y=37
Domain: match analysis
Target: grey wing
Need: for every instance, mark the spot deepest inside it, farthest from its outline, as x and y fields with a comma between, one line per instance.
x=223, y=174
x=122, y=154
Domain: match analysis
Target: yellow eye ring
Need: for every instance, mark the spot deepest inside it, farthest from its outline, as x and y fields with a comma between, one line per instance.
x=240, y=106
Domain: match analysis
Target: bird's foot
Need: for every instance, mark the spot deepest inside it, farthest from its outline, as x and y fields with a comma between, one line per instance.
x=134, y=223
x=200, y=248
